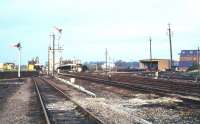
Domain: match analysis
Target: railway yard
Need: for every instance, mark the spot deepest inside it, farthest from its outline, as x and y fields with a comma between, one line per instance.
x=94, y=98
x=100, y=62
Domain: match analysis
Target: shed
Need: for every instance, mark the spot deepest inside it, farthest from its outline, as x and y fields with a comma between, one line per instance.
x=155, y=64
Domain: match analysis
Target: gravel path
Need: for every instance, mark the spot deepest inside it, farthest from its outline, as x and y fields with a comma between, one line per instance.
x=21, y=105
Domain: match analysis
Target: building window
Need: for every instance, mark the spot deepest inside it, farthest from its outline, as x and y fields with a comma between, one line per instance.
x=191, y=52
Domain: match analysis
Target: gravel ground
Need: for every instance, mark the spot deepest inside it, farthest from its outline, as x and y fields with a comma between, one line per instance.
x=21, y=104
x=97, y=106
x=6, y=90
x=125, y=106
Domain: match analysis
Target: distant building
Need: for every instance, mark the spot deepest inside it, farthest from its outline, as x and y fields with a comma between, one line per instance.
x=30, y=67
x=70, y=66
x=69, y=61
x=1, y=66
x=8, y=66
x=155, y=64
x=33, y=65
x=188, y=58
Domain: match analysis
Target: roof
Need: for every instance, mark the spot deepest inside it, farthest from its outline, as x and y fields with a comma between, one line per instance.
x=153, y=60
x=69, y=65
x=9, y=63
x=189, y=52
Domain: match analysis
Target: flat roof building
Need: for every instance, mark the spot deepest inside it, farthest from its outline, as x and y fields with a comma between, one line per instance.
x=155, y=64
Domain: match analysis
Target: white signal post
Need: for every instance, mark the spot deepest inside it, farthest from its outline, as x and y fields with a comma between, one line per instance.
x=19, y=64
x=18, y=45
x=54, y=49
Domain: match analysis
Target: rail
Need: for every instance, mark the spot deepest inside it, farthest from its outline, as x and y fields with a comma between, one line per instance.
x=42, y=103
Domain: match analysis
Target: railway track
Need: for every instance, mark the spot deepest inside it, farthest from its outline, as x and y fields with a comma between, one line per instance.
x=189, y=93
x=179, y=88
x=58, y=108
x=136, y=78
x=183, y=88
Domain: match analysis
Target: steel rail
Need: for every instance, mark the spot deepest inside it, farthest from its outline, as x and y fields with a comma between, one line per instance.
x=83, y=110
x=42, y=103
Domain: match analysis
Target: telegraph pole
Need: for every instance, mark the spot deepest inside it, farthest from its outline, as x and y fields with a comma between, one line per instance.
x=198, y=63
x=53, y=51
x=49, y=48
x=150, y=52
x=150, y=49
x=170, y=43
x=53, y=54
x=106, y=60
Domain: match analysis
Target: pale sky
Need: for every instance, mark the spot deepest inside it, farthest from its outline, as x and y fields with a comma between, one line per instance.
x=90, y=26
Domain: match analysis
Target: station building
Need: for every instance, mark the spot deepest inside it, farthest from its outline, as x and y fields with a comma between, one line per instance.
x=188, y=58
x=155, y=64
x=70, y=66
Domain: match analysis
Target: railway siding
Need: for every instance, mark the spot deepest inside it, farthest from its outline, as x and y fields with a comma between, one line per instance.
x=170, y=90
x=149, y=107
x=60, y=108
x=104, y=112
